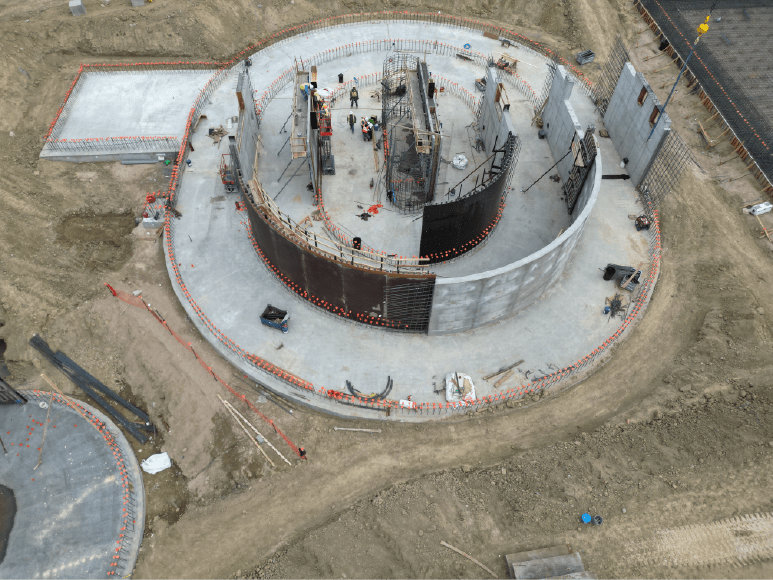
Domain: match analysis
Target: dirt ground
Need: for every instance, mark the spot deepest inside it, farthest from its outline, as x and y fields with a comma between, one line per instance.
x=675, y=430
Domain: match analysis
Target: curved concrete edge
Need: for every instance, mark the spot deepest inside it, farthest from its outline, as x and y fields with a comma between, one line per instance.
x=481, y=299
x=130, y=538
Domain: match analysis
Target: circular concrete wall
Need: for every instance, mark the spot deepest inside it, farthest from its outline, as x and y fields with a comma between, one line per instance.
x=468, y=302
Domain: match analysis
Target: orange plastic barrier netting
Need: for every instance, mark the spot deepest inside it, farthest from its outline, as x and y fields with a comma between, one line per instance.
x=140, y=303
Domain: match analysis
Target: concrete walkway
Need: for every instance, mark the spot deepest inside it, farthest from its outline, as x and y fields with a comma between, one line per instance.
x=226, y=278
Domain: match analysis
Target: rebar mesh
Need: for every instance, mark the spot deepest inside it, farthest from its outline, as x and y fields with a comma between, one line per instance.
x=732, y=63
x=604, y=89
x=410, y=304
x=412, y=146
x=665, y=172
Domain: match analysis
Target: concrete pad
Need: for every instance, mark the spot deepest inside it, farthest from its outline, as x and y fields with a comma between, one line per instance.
x=82, y=506
x=127, y=104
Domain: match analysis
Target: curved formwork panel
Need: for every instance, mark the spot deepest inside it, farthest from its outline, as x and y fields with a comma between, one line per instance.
x=453, y=228
x=389, y=300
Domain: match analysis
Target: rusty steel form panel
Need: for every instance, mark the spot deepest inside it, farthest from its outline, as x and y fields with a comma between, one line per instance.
x=386, y=299
x=452, y=228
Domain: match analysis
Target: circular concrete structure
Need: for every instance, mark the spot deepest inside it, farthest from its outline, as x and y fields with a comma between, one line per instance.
x=81, y=513
x=537, y=305
x=519, y=287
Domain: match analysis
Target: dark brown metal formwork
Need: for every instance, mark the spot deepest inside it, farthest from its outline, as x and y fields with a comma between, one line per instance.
x=370, y=296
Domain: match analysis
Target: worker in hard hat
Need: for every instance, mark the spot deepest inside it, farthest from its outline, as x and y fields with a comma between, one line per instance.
x=352, y=120
x=365, y=129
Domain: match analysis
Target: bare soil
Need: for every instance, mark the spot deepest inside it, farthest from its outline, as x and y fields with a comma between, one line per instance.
x=675, y=429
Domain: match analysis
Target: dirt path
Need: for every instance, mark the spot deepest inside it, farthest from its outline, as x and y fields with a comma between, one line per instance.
x=693, y=379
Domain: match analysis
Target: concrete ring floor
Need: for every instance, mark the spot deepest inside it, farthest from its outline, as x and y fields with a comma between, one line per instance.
x=223, y=284
x=81, y=513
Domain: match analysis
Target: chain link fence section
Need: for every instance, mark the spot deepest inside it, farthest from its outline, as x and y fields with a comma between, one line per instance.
x=605, y=86
x=665, y=171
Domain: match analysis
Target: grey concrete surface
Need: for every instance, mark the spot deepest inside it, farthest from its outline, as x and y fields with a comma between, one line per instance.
x=127, y=104
x=628, y=123
x=468, y=302
x=70, y=510
x=560, y=121
x=226, y=278
x=533, y=219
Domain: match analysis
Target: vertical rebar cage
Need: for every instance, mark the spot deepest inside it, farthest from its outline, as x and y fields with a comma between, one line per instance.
x=411, y=133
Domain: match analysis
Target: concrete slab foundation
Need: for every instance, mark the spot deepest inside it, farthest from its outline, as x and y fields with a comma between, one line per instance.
x=83, y=505
x=112, y=116
x=226, y=284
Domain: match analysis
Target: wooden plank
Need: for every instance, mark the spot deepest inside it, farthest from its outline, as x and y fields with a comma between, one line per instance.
x=764, y=229
x=458, y=551
x=709, y=140
x=503, y=370
x=501, y=381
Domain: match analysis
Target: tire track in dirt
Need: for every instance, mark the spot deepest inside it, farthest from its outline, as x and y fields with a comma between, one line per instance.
x=736, y=541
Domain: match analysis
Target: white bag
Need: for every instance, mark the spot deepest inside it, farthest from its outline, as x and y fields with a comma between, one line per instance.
x=156, y=463
x=459, y=161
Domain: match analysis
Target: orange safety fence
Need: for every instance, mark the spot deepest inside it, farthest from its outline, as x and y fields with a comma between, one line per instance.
x=140, y=303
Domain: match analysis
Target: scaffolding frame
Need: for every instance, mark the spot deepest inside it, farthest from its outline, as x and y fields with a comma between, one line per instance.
x=298, y=138
x=411, y=133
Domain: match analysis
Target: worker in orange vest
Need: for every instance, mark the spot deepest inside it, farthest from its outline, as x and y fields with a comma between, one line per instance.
x=365, y=129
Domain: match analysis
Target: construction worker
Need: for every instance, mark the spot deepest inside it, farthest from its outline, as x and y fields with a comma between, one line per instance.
x=352, y=120
x=364, y=126
x=353, y=98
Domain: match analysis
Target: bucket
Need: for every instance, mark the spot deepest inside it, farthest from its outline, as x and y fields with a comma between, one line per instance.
x=597, y=520
x=585, y=518
x=609, y=272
